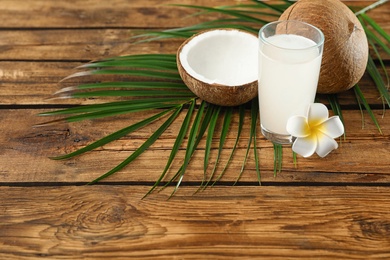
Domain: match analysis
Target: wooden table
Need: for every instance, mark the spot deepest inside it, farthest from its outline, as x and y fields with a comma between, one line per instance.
x=336, y=207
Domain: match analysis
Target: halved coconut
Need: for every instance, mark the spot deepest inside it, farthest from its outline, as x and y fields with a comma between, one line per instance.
x=220, y=66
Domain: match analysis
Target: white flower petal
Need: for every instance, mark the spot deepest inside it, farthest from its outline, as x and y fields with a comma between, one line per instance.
x=317, y=114
x=305, y=146
x=325, y=144
x=297, y=126
x=333, y=127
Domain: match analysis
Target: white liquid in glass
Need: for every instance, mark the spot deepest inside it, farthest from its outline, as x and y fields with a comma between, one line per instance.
x=288, y=77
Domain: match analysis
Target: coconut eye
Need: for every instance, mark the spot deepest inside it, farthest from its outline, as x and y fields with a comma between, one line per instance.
x=220, y=66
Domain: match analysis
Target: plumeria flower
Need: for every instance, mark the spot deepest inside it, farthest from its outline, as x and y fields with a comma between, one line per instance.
x=316, y=132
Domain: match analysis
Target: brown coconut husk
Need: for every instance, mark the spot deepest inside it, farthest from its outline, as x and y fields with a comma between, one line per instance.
x=216, y=93
x=345, y=53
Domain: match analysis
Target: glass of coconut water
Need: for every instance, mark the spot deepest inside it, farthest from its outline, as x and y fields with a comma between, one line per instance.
x=290, y=54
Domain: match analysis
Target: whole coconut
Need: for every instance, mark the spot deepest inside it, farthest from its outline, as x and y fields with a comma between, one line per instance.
x=345, y=52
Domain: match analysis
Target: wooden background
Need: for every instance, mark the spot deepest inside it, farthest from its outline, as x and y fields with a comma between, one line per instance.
x=336, y=207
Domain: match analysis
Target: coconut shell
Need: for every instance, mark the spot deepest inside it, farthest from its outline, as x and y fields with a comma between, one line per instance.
x=217, y=94
x=345, y=52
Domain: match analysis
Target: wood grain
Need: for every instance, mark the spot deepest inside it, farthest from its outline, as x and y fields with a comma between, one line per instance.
x=67, y=45
x=240, y=222
x=36, y=144
x=34, y=82
x=92, y=14
x=331, y=208
x=118, y=13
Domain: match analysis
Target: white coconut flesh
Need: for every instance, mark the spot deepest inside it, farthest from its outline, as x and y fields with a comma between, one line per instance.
x=225, y=57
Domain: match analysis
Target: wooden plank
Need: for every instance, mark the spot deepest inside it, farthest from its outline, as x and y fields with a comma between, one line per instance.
x=25, y=150
x=117, y=13
x=331, y=208
x=97, y=14
x=32, y=83
x=67, y=45
x=241, y=222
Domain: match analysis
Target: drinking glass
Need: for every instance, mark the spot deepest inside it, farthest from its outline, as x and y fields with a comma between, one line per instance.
x=290, y=54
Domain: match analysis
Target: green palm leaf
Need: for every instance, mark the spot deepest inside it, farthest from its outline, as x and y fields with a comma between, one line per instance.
x=137, y=57
x=252, y=9
x=229, y=113
x=278, y=8
x=278, y=158
x=114, y=111
x=128, y=104
x=177, y=145
x=360, y=97
x=375, y=26
x=253, y=135
x=335, y=105
x=130, y=93
x=127, y=85
x=114, y=136
x=155, y=84
x=142, y=148
x=377, y=78
x=252, y=138
x=371, y=66
x=224, y=132
x=211, y=111
x=150, y=64
x=193, y=141
x=240, y=125
x=139, y=73
x=209, y=138
x=243, y=17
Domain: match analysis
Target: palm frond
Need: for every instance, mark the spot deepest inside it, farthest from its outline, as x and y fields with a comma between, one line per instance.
x=379, y=82
x=362, y=100
x=128, y=104
x=224, y=132
x=175, y=149
x=373, y=39
x=234, y=13
x=253, y=135
x=278, y=158
x=193, y=140
x=114, y=136
x=129, y=93
x=252, y=138
x=252, y=9
x=335, y=106
x=241, y=17
x=139, y=73
x=277, y=8
x=151, y=82
x=142, y=148
x=209, y=140
x=151, y=66
x=240, y=125
x=127, y=85
x=188, y=31
x=242, y=110
x=211, y=110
